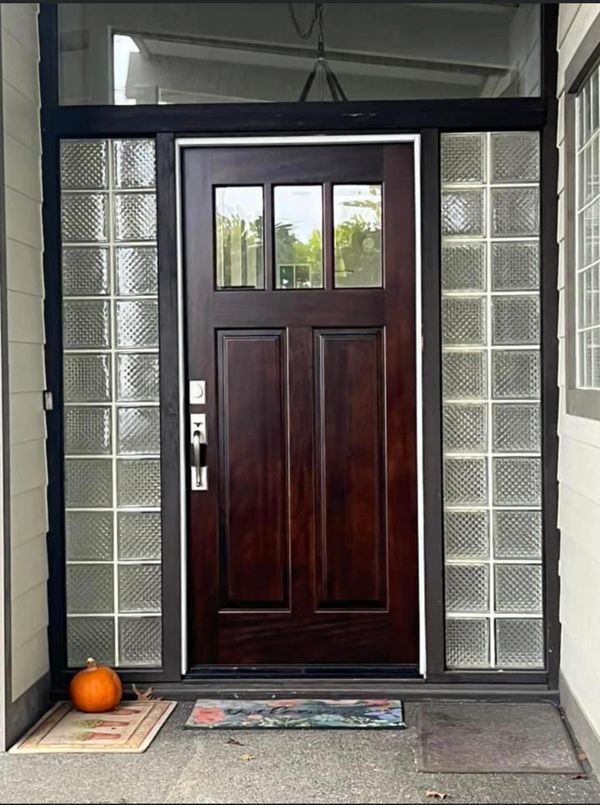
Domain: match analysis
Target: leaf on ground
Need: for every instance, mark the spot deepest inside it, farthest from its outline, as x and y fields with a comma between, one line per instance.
x=435, y=794
x=582, y=755
x=579, y=776
x=234, y=742
x=247, y=757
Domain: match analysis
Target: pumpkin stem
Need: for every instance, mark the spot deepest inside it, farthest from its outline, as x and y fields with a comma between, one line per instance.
x=91, y=662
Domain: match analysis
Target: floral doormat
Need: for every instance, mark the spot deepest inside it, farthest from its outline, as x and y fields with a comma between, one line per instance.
x=296, y=714
x=130, y=727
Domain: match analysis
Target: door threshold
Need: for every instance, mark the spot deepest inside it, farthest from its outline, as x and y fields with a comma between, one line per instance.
x=315, y=672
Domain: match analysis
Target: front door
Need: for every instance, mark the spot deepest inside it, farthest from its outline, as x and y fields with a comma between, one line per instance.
x=299, y=267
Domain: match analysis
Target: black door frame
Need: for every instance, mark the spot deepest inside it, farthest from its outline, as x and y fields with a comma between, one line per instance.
x=427, y=118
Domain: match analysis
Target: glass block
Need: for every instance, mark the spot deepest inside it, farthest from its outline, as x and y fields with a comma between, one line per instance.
x=134, y=163
x=138, y=482
x=515, y=374
x=467, y=588
x=518, y=534
x=463, y=321
x=515, y=320
x=515, y=211
x=515, y=265
x=136, y=270
x=589, y=235
x=357, y=217
x=588, y=290
x=463, y=267
x=90, y=637
x=465, y=481
x=516, y=427
x=298, y=223
x=84, y=217
x=86, y=378
x=465, y=428
x=239, y=227
x=139, y=535
x=88, y=483
x=90, y=588
x=138, y=430
x=87, y=431
x=85, y=271
x=515, y=157
x=86, y=324
x=463, y=213
x=139, y=588
x=519, y=643
x=463, y=158
x=464, y=375
x=140, y=641
x=137, y=377
x=517, y=481
x=83, y=165
x=135, y=216
x=467, y=643
x=518, y=588
x=137, y=324
x=89, y=536
x=466, y=534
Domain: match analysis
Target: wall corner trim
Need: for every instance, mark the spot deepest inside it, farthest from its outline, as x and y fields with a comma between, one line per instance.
x=581, y=726
x=27, y=709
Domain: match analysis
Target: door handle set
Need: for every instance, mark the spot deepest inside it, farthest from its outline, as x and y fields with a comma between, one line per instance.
x=198, y=453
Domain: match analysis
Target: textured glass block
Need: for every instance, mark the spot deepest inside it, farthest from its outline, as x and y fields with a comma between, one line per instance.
x=85, y=271
x=516, y=427
x=466, y=534
x=515, y=374
x=515, y=211
x=139, y=535
x=139, y=588
x=135, y=216
x=87, y=431
x=140, y=641
x=463, y=213
x=86, y=324
x=588, y=282
x=464, y=375
x=86, y=378
x=137, y=377
x=138, y=482
x=90, y=637
x=519, y=643
x=463, y=266
x=465, y=481
x=517, y=481
x=589, y=235
x=83, y=165
x=518, y=534
x=465, y=428
x=515, y=265
x=463, y=321
x=84, y=217
x=467, y=643
x=88, y=483
x=89, y=536
x=515, y=320
x=463, y=158
x=137, y=323
x=90, y=588
x=467, y=588
x=134, y=163
x=515, y=157
x=138, y=430
x=518, y=588
x=137, y=272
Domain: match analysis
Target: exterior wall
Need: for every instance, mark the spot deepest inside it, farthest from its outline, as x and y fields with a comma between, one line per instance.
x=579, y=466
x=22, y=196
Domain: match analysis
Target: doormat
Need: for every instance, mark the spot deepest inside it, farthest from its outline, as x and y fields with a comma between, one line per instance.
x=296, y=714
x=130, y=727
x=473, y=737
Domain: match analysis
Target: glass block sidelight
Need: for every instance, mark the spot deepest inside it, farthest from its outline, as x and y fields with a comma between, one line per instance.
x=111, y=397
x=491, y=380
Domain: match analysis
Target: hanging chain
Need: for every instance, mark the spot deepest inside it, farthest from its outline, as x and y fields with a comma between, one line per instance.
x=317, y=14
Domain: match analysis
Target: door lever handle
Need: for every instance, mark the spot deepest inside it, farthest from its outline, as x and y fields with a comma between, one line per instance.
x=198, y=452
x=199, y=448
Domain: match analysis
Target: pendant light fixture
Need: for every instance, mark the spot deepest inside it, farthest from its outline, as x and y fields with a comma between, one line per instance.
x=321, y=70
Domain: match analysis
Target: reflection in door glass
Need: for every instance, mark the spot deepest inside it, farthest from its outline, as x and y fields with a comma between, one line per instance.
x=298, y=216
x=239, y=237
x=357, y=224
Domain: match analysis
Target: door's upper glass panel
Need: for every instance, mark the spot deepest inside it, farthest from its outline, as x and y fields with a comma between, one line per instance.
x=357, y=213
x=239, y=237
x=161, y=53
x=298, y=217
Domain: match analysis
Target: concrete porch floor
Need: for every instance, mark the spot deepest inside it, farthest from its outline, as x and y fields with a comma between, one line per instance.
x=304, y=766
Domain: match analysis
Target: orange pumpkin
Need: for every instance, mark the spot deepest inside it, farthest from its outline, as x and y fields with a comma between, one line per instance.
x=95, y=689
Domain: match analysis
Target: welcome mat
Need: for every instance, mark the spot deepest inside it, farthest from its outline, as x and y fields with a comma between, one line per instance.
x=296, y=714
x=130, y=727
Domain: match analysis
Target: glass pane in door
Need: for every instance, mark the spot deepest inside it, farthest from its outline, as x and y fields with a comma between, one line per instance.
x=357, y=214
x=239, y=237
x=298, y=216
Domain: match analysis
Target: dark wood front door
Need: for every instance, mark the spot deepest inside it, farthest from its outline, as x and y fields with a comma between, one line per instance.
x=299, y=269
